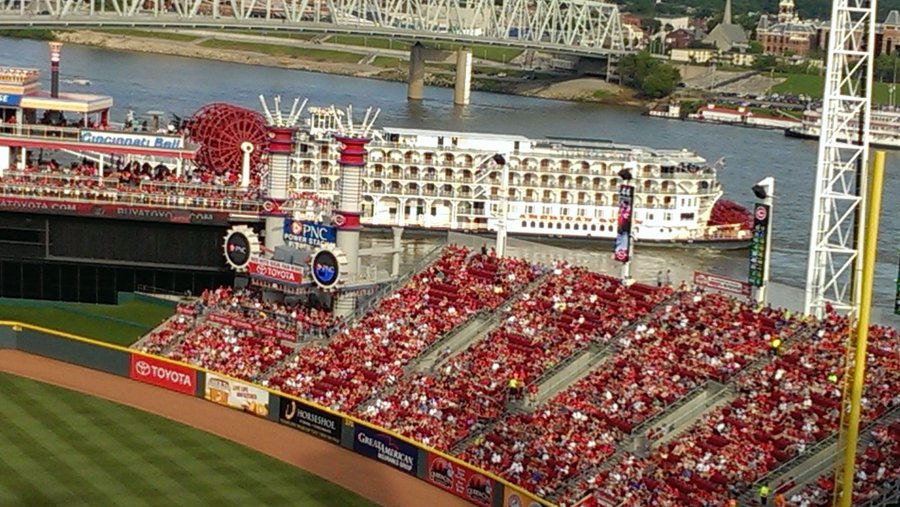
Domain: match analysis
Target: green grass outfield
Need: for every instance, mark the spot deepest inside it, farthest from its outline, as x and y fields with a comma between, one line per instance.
x=118, y=324
x=60, y=447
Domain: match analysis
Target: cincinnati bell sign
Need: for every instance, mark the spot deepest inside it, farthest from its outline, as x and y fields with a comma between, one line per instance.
x=108, y=138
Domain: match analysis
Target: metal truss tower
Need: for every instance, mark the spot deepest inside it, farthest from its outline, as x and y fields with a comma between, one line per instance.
x=838, y=219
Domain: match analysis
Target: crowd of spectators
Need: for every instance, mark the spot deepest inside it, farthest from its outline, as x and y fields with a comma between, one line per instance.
x=237, y=332
x=302, y=320
x=877, y=468
x=169, y=333
x=663, y=346
x=568, y=310
x=132, y=183
x=698, y=338
x=239, y=353
x=782, y=410
x=371, y=354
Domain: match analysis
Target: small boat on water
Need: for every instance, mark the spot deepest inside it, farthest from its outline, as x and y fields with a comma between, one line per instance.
x=79, y=81
x=885, y=127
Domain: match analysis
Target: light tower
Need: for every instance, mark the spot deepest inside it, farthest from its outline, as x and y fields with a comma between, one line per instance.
x=837, y=239
x=833, y=274
x=282, y=130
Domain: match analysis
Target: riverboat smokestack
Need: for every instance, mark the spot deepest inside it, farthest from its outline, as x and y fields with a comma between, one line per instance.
x=55, y=51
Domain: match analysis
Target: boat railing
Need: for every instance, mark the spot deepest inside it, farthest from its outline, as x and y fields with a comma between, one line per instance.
x=106, y=197
x=114, y=194
x=112, y=183
x=39, y=131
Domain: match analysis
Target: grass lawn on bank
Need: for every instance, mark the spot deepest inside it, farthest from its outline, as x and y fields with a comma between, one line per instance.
x=173, y=36
x=119, y=324
x=813, y=86
x=61, y=447
x=319, y=55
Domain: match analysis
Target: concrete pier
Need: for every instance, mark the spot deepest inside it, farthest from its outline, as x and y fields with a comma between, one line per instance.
x=463, y=88
x=419, y=55
x=416, y=85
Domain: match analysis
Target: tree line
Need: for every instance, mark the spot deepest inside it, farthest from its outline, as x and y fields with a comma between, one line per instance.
x=807, y=9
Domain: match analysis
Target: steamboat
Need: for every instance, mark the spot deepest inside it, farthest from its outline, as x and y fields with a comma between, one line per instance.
x=884, y=127
x=414, y=178
x=553, y=187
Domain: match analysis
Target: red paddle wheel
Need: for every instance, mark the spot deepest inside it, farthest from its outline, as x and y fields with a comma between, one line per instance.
x=727, y=212
x=220, y=129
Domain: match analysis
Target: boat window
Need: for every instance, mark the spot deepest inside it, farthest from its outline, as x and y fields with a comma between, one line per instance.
x=540, y=225
x=593, y=227
x=524, y=223
x=687, y=216
x=532, y=225
x=558, y=225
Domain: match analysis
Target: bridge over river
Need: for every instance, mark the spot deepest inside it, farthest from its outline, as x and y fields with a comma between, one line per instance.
x=581, y=28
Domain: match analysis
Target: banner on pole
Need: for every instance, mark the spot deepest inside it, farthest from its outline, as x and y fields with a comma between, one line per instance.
x=623, y=232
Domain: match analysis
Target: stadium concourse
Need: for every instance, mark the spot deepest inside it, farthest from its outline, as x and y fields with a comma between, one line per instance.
x=618, y=430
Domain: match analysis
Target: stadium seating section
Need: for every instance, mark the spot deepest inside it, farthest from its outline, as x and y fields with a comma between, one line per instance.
x=654, y=348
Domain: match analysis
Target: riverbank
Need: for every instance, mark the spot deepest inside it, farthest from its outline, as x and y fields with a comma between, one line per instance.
x=316, y=54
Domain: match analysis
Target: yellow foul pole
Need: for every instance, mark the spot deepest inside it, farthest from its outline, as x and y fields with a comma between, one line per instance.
x=862, y=329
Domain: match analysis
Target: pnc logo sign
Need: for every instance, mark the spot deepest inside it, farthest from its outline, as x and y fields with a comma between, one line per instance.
x=163, y=374
x=308, y=232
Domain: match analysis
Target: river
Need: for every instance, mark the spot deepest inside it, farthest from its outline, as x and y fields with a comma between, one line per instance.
x=144, y=82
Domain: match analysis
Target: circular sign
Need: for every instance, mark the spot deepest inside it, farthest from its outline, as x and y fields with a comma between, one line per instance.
x=338, y=220
x=241, y=244
x=325, y=269
x=237, y=249
x=761, y=213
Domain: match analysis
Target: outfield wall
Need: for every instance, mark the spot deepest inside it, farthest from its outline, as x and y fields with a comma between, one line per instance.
x=473, y=484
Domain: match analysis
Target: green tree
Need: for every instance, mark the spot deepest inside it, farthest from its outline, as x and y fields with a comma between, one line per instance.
x=765, y=62
x=651, y=77
x=755, y=48
x=887, y=67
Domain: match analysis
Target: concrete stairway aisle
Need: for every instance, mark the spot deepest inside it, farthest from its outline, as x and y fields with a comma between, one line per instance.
x=681, y=416
x=459, y=340
x=574, y=370
x=578, y=365
x=794, y=475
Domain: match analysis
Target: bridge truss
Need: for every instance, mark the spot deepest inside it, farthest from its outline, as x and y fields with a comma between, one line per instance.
x=587, y=24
